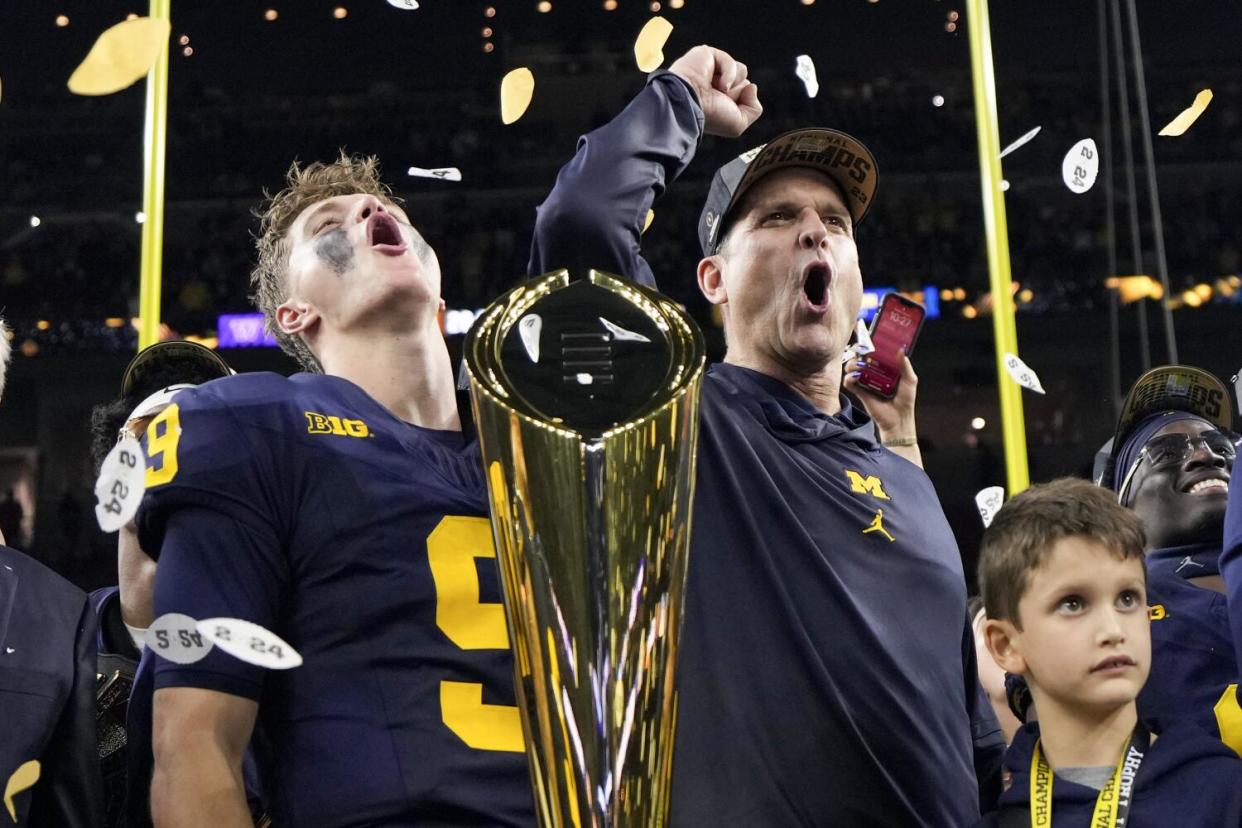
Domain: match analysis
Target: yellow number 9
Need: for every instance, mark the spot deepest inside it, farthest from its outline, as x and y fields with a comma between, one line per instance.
x=162, y=437
x=472, y=625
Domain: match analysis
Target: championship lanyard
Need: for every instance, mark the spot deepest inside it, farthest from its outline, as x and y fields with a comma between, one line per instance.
x=1112, y=806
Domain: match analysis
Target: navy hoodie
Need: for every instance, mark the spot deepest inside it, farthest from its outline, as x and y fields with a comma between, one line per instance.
x=1187, y=779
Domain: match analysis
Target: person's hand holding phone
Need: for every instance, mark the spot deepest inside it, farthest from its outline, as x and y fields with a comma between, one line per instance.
x=894, y=418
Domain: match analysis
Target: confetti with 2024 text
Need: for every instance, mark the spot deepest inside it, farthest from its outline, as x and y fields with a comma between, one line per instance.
x=805, y=70
x=1080, y=166
x=1188, y=116
x=175, y=636
x=251, y=643
x=120, y=485
x=989, y=501
x=22, y=779
x=442, y=173
x=649, y=45
x=1021, y=142
x=1022, y=374
x=122, y=55
x=516, y=90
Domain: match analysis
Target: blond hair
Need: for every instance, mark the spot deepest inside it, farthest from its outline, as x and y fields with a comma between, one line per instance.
x=1026, y=528
x=305, y=186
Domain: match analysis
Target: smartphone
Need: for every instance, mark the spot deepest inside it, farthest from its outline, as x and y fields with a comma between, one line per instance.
x=894, y=330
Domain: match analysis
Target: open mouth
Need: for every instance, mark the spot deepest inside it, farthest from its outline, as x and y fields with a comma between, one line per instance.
x=383, y=233
x=1211, y=485
x=1117, y=662
x=815, y=283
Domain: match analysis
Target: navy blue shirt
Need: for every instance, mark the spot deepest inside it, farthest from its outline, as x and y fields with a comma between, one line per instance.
x=827, y=673
x=304, y=506
x=1194, y=670
x=1187, y=778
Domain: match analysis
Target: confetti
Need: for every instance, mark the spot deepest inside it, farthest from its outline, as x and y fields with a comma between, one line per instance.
x=1022, y=374
x=1081, y=166
x=407, y=5
x=23, y=779
x=516, y=90
x=647, y=221
x=1188, y=116
x=120, y=485
x=176, y=637
x=528, y=329
x=122, y=55
x=805, y=70
x=620, y=334
x=250, y=643
x=1021, y=142
x=989, y=501
x=442, y=173
x=649, y=47
x=862, y=338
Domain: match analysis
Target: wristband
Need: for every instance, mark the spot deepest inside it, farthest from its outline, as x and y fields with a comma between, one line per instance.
x=897, y=442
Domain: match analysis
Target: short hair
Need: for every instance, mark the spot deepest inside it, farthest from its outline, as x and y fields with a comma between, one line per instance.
x=6, y=351
x=729, y=220
x=305, y=186
x=1025, y=529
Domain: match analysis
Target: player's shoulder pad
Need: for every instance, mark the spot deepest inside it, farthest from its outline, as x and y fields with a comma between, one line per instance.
x=250, y=400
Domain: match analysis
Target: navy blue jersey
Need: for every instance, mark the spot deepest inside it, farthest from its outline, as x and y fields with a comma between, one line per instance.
x=827, y=672
x=1231, y=572
x=1187, y=778
x=1194, y=671
x=304, y=506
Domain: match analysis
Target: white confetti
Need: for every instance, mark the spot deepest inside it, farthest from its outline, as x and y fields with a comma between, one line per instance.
x=176, y=637
x=862, y=338
x=805, y=70
x=585, y=379
x=442, y=173
x=1081, y=166
x=406, y=5
x=989, y=501
x=620, y=334
x=1021, y=142
x=1022, y=374
x=121, y=484
x=250, y=643
x=528, y=329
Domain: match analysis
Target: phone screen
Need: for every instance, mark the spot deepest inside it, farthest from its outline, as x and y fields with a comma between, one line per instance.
x=893, y=332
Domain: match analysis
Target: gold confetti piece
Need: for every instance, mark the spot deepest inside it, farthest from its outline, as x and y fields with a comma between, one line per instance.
x=24, y=778
x=647, y=222
x=516, y=90
x=121, y=56
x=1189, y=115
x=648, y=48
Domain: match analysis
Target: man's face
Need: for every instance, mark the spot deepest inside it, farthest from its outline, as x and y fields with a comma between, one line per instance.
x=791, y=283
x=1181, y=502
x=356, y=257
x=1085, y=642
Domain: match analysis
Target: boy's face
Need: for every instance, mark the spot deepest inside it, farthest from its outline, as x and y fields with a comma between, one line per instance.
x=1085, y=641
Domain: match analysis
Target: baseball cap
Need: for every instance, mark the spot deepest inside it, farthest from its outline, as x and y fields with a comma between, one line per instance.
x=195, y=364
x=841, y=157
x=1167, y=388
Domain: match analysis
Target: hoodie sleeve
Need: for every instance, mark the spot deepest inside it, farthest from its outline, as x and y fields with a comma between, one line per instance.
x=594, y=216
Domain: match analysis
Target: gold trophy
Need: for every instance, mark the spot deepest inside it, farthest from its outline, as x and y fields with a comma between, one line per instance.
x=586, y=399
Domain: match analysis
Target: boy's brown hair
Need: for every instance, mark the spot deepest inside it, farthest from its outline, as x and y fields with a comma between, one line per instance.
x=1027, y=527
x=347, y=175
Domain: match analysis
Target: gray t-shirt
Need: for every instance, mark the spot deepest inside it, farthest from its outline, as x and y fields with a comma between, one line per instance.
x=1095, y=776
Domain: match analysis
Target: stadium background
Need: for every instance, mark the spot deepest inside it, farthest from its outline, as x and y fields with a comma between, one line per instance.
x=248, y=94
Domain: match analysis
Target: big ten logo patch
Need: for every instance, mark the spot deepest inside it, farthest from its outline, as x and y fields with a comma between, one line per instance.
x=327, y=424
x=866, y=484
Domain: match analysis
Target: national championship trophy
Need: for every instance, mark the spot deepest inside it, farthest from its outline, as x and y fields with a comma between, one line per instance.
x=586, y=400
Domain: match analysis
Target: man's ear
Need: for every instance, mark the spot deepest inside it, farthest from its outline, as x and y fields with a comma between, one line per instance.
x=711, y=280
x=294, y=317
x=1004, y=642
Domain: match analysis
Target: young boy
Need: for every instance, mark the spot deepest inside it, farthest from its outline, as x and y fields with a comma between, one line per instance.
x=1064, y=585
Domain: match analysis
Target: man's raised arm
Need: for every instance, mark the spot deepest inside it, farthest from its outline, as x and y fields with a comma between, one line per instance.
x=595, y=213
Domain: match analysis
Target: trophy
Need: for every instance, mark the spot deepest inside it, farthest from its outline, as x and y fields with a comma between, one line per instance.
x=586, y=398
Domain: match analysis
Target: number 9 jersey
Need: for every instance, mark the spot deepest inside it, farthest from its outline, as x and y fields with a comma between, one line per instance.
x=302, y=505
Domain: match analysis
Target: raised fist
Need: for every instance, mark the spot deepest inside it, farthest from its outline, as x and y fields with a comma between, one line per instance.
x=730, y=102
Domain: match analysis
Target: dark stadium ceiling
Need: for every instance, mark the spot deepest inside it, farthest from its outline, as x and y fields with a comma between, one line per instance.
x=309, y=48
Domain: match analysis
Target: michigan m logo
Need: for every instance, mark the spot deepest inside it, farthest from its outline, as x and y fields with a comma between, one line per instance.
x=870, y=484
